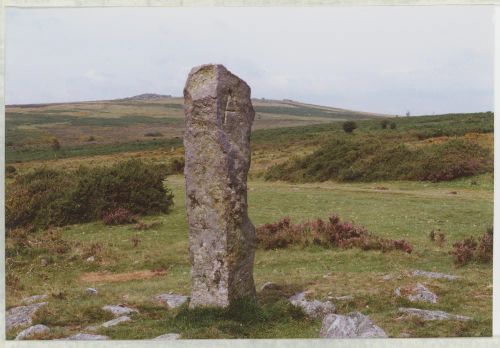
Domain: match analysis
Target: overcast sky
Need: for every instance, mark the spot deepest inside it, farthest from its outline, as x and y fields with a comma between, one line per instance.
x=425, y=59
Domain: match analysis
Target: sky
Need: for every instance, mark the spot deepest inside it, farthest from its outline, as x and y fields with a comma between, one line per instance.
x=386, y=59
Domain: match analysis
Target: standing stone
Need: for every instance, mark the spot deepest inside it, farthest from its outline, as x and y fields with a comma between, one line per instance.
x=219, y=116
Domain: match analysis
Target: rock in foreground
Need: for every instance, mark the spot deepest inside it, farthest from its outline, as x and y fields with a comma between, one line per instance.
x=168, y=337
x=32, y=330
x=219, y=116
x=432, y=315
x=313, y=308
x=352, y=325
x=21, y=316
x=434, y=275
x=418, y=293
x=172, y=300
x=118, y=310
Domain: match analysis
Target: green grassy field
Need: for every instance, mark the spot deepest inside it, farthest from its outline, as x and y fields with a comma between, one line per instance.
x=407, y=210
x=54, y=261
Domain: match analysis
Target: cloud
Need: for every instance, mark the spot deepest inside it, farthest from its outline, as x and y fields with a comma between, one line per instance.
x=381, y=58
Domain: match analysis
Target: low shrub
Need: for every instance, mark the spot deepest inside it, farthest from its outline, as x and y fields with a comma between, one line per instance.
x=349, y=126
x=119, y=216
x=153, y=134
x=176, y=166
x=55, y=198
x=384, y=124
x=470, y=249
x=330, y=233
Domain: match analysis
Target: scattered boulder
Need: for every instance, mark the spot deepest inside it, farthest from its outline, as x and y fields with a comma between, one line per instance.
x=85, y=337
x=118, y=310
x=33, y=299
x=168, y=337
x=91, y=291
x=110, y=323
x=116, y=321
x=32, y=330
x=219, y=116
x=268, y=286
x=21, y=316
x=313, y=308
x=418, y=293
x=352, y=325
x=172, y=300
x=434, y=275
x=432, y=315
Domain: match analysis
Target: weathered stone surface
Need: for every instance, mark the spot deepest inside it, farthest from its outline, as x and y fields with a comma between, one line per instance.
x=417, y=293
x=351, y=325
x=91, y=291
x=432, y=315
x=85, y=337
x=116, y=321
x=268, y=286
x=312, y=308
x=168, y=337
x=118, y=310
x=219, y=117
x=434, y=275
x=32, y=330
x=109, y=323
x=21, y=316
x=34, y=299
x=172, y=300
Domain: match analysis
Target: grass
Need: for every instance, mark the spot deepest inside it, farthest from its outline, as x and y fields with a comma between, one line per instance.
x=406, y=210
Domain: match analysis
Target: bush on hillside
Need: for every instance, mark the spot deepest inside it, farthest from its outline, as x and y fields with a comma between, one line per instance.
x=349, y=126
x=372, y=158
x=50, y=197
x=384, y=124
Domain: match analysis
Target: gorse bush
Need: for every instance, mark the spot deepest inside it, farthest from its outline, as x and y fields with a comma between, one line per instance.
x=374, y=158
x=49, y=197
x=119, y=216
x=331, y=233
x=349, y=126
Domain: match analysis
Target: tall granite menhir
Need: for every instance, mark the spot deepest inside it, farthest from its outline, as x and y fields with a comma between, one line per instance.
x=219, y=116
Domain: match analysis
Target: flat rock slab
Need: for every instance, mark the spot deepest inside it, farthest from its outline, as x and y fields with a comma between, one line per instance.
x=118, y=310
x=32, y=330
x=168, y=337
x=352, y=325
x=34, y=299
x=110, y=323
x=432, y=315
x=85, y=337
x=21, y=316
x=434, y=275
x=418, y=293
x=171, y=300
x=313, y=308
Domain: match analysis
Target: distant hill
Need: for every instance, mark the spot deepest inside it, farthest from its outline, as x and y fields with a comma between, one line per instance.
x=146, y=97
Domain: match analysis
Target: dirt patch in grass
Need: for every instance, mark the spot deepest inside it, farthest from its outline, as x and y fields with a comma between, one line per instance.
x=105, y=277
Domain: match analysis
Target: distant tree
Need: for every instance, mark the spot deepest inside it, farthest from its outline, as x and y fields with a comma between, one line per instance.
x=384, y=124
x=393, y=125
x=408, y=113
x=349, y=126
x=55, y=145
